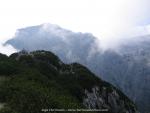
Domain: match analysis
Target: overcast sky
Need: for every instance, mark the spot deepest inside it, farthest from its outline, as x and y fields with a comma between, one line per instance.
x=106, y=19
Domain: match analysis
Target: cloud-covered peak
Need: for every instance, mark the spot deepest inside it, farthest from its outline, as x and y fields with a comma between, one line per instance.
x=131, y=64
x=56, y=39
x=49, y=26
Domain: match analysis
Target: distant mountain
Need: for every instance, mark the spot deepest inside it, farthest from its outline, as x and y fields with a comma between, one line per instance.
x=69, y=46
x=36, y=81
x=126, y=67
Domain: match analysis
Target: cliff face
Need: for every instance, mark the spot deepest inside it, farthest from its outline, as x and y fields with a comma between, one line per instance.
x=37, y=80
x=107, y=101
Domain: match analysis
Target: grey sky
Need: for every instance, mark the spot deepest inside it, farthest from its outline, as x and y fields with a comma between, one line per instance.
x=105, y=19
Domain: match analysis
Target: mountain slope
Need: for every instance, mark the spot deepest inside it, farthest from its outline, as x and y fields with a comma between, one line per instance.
x=39, y=81
x=126, y=67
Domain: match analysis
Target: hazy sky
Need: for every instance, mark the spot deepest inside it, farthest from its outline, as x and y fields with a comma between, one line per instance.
x=106, y=19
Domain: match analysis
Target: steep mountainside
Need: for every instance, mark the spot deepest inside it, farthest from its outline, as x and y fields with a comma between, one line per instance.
x=127, y=67
x=36, y=81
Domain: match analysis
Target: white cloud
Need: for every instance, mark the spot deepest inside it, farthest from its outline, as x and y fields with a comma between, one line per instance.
x=106, y=19
x=8, y=49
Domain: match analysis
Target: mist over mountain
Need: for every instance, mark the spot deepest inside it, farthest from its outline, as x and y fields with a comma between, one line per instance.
x=66, y=44
x=126, y=66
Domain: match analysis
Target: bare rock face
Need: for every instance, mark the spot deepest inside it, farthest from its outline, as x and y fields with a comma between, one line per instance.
x=101, y=99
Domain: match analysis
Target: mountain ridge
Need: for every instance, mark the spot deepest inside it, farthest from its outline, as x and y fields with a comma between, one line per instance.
x=126, y=67
x=39, y=80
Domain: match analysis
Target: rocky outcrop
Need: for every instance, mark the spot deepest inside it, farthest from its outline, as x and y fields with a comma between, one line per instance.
x=107, y=101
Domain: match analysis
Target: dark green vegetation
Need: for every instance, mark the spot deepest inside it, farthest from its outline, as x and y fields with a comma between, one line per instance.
x=30, y=82
x=126, y=66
